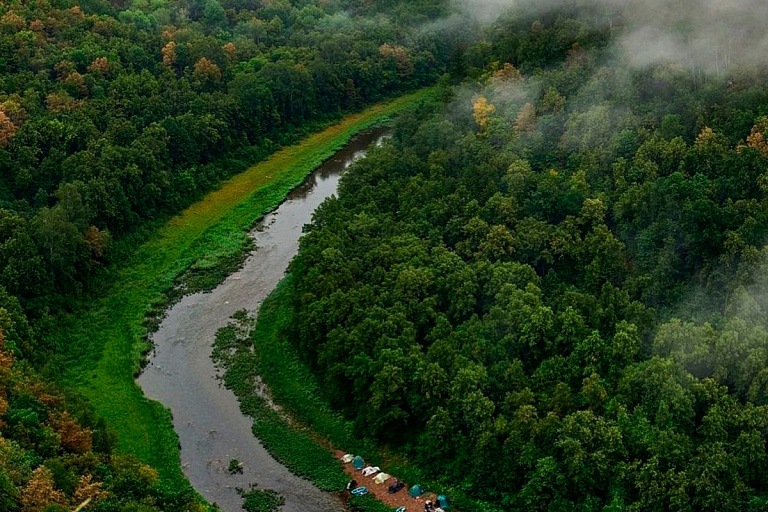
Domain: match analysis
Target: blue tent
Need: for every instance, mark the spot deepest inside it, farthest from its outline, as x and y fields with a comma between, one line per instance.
x=415, y=491
x=443, y=502
x=358, y=462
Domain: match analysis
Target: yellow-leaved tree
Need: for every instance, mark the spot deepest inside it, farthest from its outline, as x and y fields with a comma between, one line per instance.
x=206, y=70
x=482, y=111
x=39, y=491
x=757, y=139
x=169, y=53
x=7, y=129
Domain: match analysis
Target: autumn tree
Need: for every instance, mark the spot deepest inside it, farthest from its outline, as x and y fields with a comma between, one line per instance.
x=757, y=138
x=526, y=119
x=88, y=489
x=577, y=56
x=506, y=74
x=12, y=21
x=60, y=101
x=63, y=69
x=400, y=55
x=73, y=436
x=231, y=50
x=40, y=492
x=96, y=241
x=169, y=53
x=206, y=71
x=7, y=129
x=482, y=110
x=99, y=65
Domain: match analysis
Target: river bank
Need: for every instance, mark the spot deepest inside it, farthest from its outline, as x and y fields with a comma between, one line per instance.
x=181, y=375
x=104, y=343
x=293, y=419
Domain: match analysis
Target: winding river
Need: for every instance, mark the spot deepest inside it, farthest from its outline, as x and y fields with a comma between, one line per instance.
x=181, y=375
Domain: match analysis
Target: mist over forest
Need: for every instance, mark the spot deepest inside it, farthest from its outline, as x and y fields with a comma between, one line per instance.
x=558, y=268
x=545, y=292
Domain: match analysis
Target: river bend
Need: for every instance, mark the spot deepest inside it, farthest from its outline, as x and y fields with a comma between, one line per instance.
x=181, y=375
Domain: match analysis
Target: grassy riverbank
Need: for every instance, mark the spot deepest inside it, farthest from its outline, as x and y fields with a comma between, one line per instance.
x=104, y=342
x=303, y=449
x=303, y=436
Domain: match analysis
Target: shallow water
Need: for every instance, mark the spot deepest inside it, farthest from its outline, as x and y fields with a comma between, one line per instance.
x=181, y=375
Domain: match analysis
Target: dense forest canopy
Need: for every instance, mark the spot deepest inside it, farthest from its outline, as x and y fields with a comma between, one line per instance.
x=548, y=289
x=113, y=114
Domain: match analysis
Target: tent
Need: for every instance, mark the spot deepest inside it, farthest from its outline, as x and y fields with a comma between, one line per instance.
x=358, y=462
x=381, y=478
x=415, y=491
x=360, y=491
x=443, y=502
x=347, y=458
x=371, y=470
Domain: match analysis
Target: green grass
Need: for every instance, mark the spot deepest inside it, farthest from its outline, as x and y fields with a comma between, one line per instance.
x=291, y=442
x=103, y=344
x=300, y=437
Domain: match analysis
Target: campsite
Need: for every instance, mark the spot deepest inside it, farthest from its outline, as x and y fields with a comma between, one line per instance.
x=389, y=490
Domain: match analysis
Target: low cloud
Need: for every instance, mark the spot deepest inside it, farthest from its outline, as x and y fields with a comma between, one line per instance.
x=704, y=35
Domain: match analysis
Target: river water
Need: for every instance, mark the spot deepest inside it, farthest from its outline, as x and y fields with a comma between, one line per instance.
x=181, y=375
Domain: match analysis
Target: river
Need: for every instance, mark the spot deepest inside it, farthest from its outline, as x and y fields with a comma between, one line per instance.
x=181, y=375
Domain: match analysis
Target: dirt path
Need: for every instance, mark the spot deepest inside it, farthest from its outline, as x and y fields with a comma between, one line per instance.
x=381, y=492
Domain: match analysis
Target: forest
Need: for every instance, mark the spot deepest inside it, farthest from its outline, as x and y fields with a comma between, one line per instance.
x=548, y=290
x=116, y=115
x=54, y=455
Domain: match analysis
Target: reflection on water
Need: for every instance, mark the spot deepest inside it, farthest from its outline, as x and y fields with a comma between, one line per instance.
x=333, y=168
x=181, y=375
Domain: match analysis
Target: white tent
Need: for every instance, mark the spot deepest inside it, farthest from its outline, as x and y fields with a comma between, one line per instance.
x=381, y=478
x=347, y=458
x=371, y=470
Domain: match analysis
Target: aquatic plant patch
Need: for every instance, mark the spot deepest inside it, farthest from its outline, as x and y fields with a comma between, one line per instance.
x=262, y=500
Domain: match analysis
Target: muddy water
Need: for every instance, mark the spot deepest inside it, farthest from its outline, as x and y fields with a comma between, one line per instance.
x=181, y=375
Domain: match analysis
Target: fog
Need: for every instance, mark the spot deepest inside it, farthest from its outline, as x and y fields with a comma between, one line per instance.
x=721, y=335
x=704, y=35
